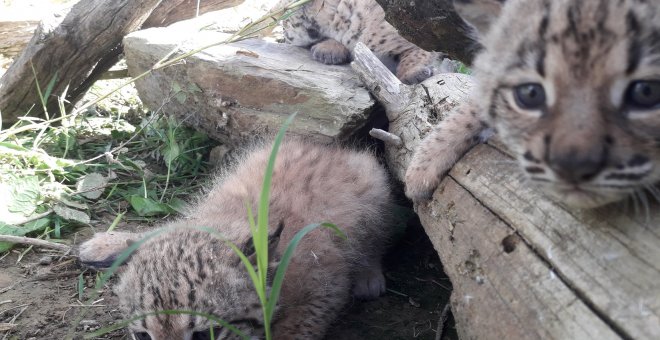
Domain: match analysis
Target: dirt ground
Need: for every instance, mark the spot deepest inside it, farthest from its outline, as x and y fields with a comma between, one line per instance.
x=39, y=298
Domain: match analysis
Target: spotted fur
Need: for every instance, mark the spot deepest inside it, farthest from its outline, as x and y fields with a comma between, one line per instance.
x=191, y=270
x=573, y=90
x=332, y=28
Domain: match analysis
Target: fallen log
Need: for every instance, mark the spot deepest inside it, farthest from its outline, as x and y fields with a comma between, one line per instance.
x=522, y=266
x=77, y=48
x=431, y=25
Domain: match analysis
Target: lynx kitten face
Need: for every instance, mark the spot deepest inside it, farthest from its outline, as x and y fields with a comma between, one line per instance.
x=186, y=269
x=332, y=28
x=573, y=89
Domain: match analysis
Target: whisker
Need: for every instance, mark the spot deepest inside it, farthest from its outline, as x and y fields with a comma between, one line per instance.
x=520, y=177
x=645, y=203
x=635, y=202
x=654, y=191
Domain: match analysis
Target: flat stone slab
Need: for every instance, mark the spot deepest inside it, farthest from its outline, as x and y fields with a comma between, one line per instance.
x=241, y=89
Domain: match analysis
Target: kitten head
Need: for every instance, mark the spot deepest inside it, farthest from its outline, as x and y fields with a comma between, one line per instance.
x=176, y=279
x=573, y=89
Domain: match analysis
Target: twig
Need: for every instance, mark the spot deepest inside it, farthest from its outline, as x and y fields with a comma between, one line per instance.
x=443, y=319
x=53, y=276
x=34, y=242
x=8, y=287
x=14, y=319
x=33, y=218
x=386, y=137
x=10, y=308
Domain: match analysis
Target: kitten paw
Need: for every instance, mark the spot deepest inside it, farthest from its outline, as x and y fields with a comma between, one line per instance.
x=101, y=250
x=421, y=182
x=369, y=284
x=331, y=52
x=414, y=75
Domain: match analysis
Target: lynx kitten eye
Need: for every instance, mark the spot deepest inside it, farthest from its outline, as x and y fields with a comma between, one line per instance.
x=643, y=94
x=530, y=96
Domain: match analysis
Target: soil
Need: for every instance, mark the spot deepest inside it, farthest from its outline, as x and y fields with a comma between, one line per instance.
x=39, y=298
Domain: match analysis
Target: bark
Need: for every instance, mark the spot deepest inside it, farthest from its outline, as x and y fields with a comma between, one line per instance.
x=522, y=266
x=78, y=48
x=171, y=11
x=432, y=25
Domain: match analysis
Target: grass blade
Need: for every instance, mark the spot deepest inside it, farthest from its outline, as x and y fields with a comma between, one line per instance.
x=261, y=236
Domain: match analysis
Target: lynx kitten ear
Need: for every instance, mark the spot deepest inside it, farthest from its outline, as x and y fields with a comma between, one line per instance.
x=480, y=14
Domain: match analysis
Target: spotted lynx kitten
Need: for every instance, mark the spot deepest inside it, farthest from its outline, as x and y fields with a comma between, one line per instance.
x=332, y=28
x=571, y=87
x=190, y=270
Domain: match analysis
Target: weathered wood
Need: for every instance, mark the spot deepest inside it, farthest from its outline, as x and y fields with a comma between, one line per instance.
x=411, y=110
x=171, y=11
x=78, y=48
x=68, y=47
x=499, y=294
x=431, y=25
x=610, y=256
x=246, y=88
x=523, y=266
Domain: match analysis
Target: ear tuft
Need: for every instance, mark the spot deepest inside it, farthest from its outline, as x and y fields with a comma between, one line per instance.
x=480, y=14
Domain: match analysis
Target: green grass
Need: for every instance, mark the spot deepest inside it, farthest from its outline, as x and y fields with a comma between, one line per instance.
x=69, y=169
x=462, y=68
x=55, y=177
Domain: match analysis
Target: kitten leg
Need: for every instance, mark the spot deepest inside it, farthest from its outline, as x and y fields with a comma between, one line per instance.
x=440, y=150
x=369, y=281
x=331, y=52
x=414, y=65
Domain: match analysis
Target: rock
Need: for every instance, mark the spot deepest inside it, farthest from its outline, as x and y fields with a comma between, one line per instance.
x=241, y=89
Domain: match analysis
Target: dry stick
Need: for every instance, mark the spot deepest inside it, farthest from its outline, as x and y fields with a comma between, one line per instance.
x=34, y=242
x=245, y=33
x=14, y=319
x=34, y=218
x=386, y=137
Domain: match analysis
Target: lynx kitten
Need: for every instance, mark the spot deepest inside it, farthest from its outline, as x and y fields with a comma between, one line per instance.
x=571, y=87
x=332, y=28
x=190, y=270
